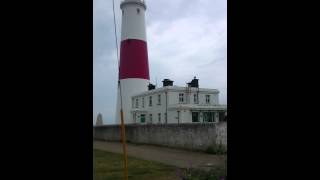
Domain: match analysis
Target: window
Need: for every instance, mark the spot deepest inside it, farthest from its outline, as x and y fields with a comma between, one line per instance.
x=137, y=103
x=208, y=116
x=159, y=99
x=143, y=102
x=181, y=97
x=138, y=10
x=150, y=100
x=132, y=103
x=159, y=117
x=208, y=99
x=195, y=117
x=195, y=98
x=150, y=118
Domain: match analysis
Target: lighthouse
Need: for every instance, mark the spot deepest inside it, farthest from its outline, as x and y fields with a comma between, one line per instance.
x=134, y=67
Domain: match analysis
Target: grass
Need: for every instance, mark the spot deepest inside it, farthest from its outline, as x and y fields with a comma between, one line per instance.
x=109, y=166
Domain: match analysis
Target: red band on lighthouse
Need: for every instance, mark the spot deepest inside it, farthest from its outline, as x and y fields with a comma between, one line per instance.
x=134, y=59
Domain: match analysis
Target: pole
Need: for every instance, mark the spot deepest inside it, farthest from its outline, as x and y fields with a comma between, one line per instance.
x=123, y=134
x=124, y=146
x=94, y=162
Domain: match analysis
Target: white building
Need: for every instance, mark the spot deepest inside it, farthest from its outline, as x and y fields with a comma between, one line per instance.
x=173, y=104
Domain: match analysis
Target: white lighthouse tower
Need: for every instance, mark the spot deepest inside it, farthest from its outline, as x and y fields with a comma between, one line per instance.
x=134, y=67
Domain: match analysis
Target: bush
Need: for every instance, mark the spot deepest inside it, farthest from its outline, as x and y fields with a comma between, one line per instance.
x=216, y=173
x=216, y=149
x=211, y=150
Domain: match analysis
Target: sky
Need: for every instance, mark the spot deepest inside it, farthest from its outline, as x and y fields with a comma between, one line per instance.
x=184, y=39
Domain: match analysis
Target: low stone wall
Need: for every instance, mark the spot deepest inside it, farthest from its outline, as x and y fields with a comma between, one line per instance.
x=187, y=136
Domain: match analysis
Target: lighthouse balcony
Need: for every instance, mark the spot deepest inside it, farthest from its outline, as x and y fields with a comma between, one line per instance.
x=138, y=2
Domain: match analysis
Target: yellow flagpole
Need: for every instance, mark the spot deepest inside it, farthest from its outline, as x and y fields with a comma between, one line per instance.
x=123, y=134
x=124, y=146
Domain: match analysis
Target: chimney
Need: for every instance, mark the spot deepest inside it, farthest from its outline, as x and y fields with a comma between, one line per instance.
x=167, y=82
x=151, y=86
x=194, y=82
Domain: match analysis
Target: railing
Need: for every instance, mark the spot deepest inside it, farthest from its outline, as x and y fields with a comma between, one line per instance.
x=133, y=0
x=140, y=2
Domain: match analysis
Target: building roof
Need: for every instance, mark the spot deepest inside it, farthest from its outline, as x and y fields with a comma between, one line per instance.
x=177, y=89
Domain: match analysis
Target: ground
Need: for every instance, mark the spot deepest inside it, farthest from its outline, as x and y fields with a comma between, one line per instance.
x=169, y=156
x=109, y=166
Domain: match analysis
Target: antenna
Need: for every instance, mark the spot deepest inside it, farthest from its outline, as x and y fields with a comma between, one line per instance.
x=156, y=81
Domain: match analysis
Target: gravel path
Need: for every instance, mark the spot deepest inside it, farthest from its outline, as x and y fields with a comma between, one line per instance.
x=175, y=157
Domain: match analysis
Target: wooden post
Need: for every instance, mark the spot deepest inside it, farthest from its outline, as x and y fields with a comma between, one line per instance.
x=124, y=146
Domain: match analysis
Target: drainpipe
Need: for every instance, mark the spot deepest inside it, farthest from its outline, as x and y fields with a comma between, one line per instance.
x=166, y=107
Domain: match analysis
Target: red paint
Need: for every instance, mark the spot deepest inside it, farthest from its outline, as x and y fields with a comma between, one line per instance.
x=134, y=59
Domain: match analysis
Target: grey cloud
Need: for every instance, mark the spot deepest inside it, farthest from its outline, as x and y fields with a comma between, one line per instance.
x=190, y=35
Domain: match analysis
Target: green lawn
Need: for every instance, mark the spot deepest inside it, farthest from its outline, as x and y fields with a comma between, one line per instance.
x=109, y=166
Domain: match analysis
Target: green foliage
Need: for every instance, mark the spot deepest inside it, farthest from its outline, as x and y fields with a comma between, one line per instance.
x=109, y=166
x=216, y=149
x=216, y=173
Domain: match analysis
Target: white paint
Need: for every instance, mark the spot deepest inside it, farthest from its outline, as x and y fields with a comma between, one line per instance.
x=173, y=104
x=133, y=23
x=129, y=87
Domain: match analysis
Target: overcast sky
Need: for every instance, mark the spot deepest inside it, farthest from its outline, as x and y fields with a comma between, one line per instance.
x=184, y=38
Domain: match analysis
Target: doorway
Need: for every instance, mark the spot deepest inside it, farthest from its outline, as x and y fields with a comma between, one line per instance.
x=195, y=116
x=142, y=118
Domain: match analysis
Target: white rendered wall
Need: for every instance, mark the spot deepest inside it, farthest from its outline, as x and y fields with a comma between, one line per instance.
x=171, y=116
x=156, y=108
x=173, y=98
x=213, y=98
x=185, y=116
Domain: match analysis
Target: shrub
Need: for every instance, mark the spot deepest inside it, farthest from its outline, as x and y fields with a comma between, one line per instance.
x=216, y=173
x=216, y=149
x=211, y=150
